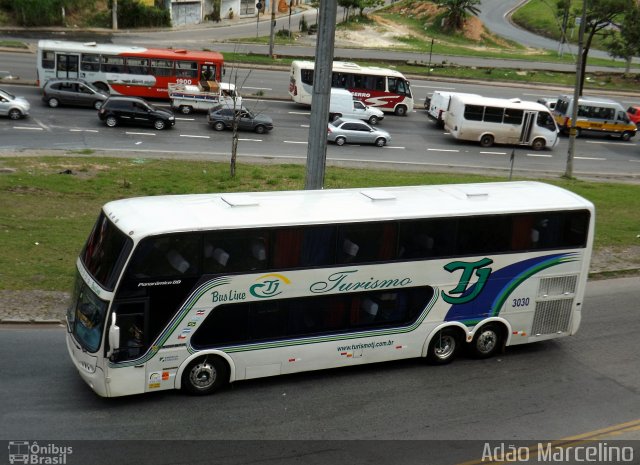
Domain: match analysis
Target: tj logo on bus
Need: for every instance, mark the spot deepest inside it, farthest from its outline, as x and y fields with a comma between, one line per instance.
x=268, y=285
x=463, y=295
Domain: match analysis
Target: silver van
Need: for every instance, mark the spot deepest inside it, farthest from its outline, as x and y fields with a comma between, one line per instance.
x=12, y=106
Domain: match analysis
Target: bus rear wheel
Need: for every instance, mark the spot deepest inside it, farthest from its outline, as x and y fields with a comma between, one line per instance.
x=487, y=341
x=205, y=375
x=443, y=347
x=486, y=140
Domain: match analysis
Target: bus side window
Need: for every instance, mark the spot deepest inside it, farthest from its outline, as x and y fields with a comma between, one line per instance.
x=237, y=251
x=318, y=246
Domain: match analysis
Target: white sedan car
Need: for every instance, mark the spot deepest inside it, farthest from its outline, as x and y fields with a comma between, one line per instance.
x=354, y=131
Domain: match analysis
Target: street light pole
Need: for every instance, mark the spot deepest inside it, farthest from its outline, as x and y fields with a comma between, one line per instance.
x=573, y=132
x=273, y=27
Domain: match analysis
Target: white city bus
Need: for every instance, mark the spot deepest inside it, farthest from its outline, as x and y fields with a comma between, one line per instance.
x=194, y=291
x=382, y=88
x=502, y=121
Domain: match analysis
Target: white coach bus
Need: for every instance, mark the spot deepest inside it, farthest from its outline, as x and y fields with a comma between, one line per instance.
x=195, y=291
x=501, y=121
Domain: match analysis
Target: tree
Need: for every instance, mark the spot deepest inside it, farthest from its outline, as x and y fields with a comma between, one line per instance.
x=362, y=4
x=457, y=12
x=626, y=44
x=600, y=15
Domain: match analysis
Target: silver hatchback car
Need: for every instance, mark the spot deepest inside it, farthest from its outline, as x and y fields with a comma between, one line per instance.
x=354, y=131
x=74, y=92
x=12, y=106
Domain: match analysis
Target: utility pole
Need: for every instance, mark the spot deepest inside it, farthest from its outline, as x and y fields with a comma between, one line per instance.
x=273, y=27
x=577, y=92
x=317, y=147
x=114, y=15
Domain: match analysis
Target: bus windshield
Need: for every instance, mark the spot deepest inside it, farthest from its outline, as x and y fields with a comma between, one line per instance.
x=102, y=252
x=85, y=315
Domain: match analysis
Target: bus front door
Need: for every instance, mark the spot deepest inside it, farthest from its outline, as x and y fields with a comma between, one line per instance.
x=528, y=121
x=67, y=66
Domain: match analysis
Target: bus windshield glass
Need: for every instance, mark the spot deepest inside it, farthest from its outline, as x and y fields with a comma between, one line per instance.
x=102, y=252
x=85, y=316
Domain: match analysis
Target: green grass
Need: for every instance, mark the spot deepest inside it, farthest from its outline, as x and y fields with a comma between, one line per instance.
x=13, y=44
x=46, y=215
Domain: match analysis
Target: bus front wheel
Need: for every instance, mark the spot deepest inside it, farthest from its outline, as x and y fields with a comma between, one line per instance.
x=401, y=110
x=205, y=375
x=487, y=341
x=538, y=144
x=486, y=140
x=443, y=347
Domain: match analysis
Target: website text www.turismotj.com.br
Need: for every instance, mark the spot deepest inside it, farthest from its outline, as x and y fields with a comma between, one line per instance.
x=366, y=345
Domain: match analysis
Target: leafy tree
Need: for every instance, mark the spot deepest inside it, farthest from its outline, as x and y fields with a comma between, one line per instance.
x=457, y=12
x=600, y=15
x=626, y=44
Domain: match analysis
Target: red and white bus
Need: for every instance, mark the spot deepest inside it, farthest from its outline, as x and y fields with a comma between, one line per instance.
x=381, y=88
x=126, y=70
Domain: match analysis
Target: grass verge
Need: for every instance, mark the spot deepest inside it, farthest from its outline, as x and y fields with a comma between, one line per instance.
x=50, y=203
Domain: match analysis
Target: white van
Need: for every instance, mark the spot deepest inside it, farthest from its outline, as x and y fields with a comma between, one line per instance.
x=439, y=104
x=189, y=98
x=344, y=105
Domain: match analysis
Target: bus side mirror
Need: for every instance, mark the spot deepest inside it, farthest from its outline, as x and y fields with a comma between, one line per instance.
x=114, y=336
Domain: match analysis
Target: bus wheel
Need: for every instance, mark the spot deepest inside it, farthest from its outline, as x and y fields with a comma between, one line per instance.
x=626, y=136
x=185, y=109
x=102, y=86
x=443, y=347
x=486, y=140
x=401, y=110
x=205, y=375
x=538, y=144
x=487, y=341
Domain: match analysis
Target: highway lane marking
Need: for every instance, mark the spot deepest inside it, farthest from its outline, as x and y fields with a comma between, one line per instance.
x=140, y=133
x=540, y=155
x=443, y=150
x=257, y=88
x=305, y=126
x=619, y=144
x=30, y=128
x=294, y=142
x=195, y=137
x=185, y=119
x=589, y=158
x=393, y=147
x=494, y=153
x=83, y=130
x=433, y=87
x=299, y=112
x=564, y=443
x=250, y=140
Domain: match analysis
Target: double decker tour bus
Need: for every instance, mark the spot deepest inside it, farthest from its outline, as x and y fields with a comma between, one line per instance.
x=385, y=89
x=194, y=291
x=126, y=70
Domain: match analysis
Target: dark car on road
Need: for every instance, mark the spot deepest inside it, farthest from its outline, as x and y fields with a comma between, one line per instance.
x=75, y=92
x=221, y=117
x=136, y=111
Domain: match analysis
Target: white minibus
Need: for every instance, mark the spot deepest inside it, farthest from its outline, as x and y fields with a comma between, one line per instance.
x=501, y=121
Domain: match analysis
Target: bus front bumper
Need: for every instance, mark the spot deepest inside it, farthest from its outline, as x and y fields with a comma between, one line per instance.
x=87, y=366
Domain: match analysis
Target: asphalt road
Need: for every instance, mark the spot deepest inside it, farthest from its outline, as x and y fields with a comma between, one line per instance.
x=541, y=391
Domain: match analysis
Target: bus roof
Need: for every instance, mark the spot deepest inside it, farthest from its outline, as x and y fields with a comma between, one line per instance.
x=471, y=99
x=126, y=50
x=142, y=216
x=349, y=67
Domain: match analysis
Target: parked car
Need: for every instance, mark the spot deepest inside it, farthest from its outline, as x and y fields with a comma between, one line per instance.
x=221, y=116
x=354, y=131
x=634, y=114
x=133, y=110
x=78, y=92
x=12, y=106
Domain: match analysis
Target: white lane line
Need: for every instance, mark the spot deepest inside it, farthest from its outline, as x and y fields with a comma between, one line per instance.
x=590, y=158
x=185, y=119
x=305, y=126
x=27, y=128
x=394, y=147
x=139, y=142
x=540, y=155
x=443, y=150
x=299, y=112
x=140, y=133
x=433, y=87
x=250, y=140
x=83, y=130
x=622, y=144
x=493, y=153
x=257, y=88
x=195, y=137
x=294, y=142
